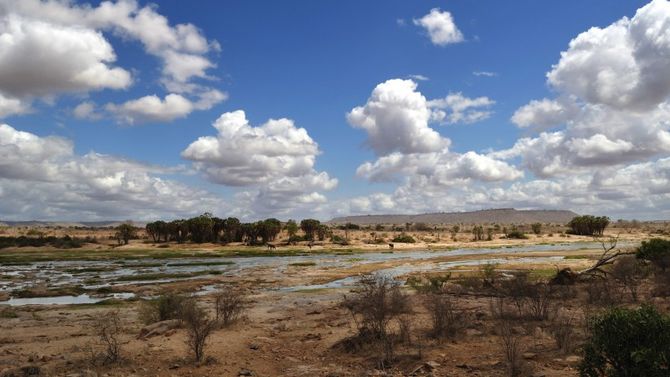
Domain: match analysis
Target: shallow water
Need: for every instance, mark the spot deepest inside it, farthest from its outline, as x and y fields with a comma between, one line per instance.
x=97, y=274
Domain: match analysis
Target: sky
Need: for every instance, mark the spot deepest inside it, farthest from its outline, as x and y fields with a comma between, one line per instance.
x=254, y=109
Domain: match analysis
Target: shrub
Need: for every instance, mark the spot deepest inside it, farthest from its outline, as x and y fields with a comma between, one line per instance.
x=229, y=304
x=446, y=320
x=656, y=250
x=628, y=342
x=537, y=228
x=376, y=301
x=562, y=329
x=516, y=234
x=166, y=306
x=108, y=329
x=511, y=345
x=488, y=273
x=428, y=284
x=199, y=326
x=403, y=238
x=629, y=272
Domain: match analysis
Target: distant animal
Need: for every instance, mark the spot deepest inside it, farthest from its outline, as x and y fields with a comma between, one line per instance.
x=391, y=246
x=271, y=247
x=310, y=244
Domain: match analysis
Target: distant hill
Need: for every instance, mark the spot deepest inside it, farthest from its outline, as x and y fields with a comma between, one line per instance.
x=498, y=216
x=66, y=224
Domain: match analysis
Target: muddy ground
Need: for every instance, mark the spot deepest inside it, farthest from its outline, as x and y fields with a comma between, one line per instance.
x=292, y=326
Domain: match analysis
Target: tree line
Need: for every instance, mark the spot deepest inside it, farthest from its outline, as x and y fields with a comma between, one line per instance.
x=207, y=228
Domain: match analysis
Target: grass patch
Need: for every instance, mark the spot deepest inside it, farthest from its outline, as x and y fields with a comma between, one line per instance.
x=302, y=264
x=223, y=263
x=542, y=274
x=577, y=257
x=163, y=276
x=54, y=292
x=312, y=290
x=8, y=313
x=83, y=270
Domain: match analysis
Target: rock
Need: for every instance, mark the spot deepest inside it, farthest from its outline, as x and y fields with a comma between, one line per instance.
x=254, y=346
x=246, y=372
x=573, y=359
x=158, y=328
x=529, y=355
x=539, y=374
x=473, y=332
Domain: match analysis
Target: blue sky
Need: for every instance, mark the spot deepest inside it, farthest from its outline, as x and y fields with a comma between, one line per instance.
x=594, y=146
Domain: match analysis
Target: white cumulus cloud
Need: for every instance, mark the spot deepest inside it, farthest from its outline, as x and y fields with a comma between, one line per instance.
x=440, y=27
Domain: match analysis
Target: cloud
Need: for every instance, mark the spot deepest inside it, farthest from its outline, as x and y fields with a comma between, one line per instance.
x=68, y=38
x=485, y=73
x=440, y=27
x=461, y=109
x=12, y=106
x=79, y=59
x=153, y=109
x=544, y=114
x=624, y=65
x=396, y=118
x=86, y=110
x=612, y=106
x=418, y=77
x=275, y=160
x=42, y=178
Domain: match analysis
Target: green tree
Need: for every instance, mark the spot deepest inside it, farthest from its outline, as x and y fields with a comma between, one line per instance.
x=537, y=228
x=309, y=226
x=125, y=232
x=657, y=251
x=201, y=228
x=291, y=228
x=627, y=343
x=588, y=225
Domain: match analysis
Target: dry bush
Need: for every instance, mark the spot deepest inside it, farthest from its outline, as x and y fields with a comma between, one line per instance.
x=108, y=329
x=661, y=283
x=230, y=303
x=199, y=326
x=511, y=345
x=538, y=301
x=562, y=329
x=375, y=303
x=629, y=272
x=446, y=320
x=162, y=308
x=601, y=292
x=532, y=300
x=405, y=328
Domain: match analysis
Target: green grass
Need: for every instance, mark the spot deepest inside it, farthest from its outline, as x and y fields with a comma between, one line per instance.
x=303, y=264
x=577, y=257
x=8, y=313
x=542, y=274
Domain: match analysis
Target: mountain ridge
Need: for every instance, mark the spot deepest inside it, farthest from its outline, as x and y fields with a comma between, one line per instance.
x=498, y=215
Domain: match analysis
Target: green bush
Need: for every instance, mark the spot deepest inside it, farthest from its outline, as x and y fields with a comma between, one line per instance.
x=167, y=306
x=628, y=342
x=657, y=251
x=403, y=238
x=516, y=234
